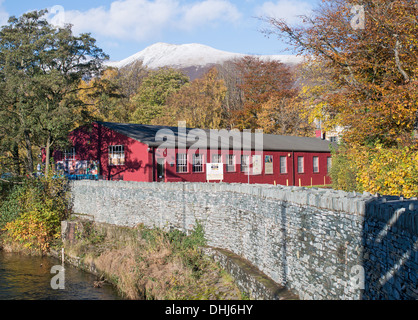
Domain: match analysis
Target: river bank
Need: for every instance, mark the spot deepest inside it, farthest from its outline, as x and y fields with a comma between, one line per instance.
x=145, y=263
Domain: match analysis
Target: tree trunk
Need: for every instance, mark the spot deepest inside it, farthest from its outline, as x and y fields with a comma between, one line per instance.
x=47, y=155
x=16, y=160
x=29, y=157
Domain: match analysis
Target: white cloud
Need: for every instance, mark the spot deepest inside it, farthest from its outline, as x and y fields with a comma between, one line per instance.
x=126, y=19
x=4, y=16
x=209, y=11
x=140, y=20
x=285, y=9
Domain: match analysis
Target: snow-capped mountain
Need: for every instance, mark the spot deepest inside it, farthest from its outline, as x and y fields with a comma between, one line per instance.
x=189, y=56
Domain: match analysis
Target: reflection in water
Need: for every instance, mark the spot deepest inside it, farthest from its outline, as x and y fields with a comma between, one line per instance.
x=29, y=278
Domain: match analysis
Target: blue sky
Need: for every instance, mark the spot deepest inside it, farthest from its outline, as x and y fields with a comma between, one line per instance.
x=124, y=27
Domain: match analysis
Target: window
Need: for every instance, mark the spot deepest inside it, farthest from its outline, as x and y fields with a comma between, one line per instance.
x=198, y=163
x=333, y=139
x=216, y=158
x=181, y=162
x=329, y=164
x=245, y=160
x=116, y=155
x=69, y=154
x=283, y=164
x=300, y=165
x=315, y=164
x=230, y=166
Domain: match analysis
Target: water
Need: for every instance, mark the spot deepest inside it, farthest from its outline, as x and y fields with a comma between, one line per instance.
x=29, y=278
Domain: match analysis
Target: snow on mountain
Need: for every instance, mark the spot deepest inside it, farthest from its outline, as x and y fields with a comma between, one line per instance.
x=189, y=55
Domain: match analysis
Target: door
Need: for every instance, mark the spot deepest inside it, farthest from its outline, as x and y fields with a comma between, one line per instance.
x=161, y=170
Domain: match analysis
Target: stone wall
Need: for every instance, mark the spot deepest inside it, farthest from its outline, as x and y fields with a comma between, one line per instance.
x=321, y=244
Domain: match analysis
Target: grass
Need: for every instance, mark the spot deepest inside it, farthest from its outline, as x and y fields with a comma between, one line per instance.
x=150, y=264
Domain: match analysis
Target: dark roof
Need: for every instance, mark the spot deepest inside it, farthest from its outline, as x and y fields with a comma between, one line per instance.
x=220, y=139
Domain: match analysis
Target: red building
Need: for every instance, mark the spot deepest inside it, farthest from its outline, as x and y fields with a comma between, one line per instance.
x=135, y=152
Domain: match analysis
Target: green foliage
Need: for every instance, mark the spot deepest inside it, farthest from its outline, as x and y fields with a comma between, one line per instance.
x=11, y=207
x=41, y=67
x=343, y=172
x=32, y=213
x=153, y=92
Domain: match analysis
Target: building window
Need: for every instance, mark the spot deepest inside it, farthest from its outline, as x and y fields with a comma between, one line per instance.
x=230, y=166
x=315, y=164
x=333, y=139
x=181, y=162
x=329, y=164
x=116, y=155
x=216, y=158
x=283, y=164
x=69, y=154
x=245, y=161
x=300, y=165
x=198, y=163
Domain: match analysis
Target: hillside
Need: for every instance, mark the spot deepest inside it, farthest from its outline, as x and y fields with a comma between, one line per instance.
x=194, y=59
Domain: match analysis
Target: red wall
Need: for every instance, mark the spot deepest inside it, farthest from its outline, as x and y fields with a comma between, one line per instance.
x=307, y=178
x=92, y=142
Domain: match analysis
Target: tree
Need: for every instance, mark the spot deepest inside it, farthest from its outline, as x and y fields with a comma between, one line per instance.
x=259, y=81
x=374, y=70
x=150, y=100
x=198, y=103
x=41, y=69
x=283, y=114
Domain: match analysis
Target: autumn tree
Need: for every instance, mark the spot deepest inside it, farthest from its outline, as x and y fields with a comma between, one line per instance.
x=260, y=80
x=103, y=99
x=373, y=69
x=232, y=104
x=150, y=100
x=284, y=115
x=198, y=103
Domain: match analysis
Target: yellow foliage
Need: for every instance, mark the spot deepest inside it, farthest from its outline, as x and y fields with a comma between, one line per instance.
x=388, y=171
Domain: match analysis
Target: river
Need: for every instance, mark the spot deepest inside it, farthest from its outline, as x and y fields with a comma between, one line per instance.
x=29, y=278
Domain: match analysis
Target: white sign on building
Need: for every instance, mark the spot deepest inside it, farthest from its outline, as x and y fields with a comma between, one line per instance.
x=214, y=171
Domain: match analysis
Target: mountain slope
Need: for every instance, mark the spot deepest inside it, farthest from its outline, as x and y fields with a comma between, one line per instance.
x=189, y=56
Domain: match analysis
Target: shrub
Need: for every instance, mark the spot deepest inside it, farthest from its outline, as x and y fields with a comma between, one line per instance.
x=344, y=170
x=388, y=171
x=32, y=213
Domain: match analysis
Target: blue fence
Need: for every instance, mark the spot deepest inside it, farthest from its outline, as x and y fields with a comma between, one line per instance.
x=82, y=176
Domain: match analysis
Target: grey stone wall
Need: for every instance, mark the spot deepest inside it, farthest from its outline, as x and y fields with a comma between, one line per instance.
x=321, y=244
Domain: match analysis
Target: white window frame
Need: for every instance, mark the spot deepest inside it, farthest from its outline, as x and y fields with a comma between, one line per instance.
x=245, y=163
x=301, y=164
x=283, y=164
x=329, y=164
x=116, y=155
x=230, y=165
x=69, y=154
x=197, y=163
x=315, y=164
x=181, y=163
x=217, y=158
